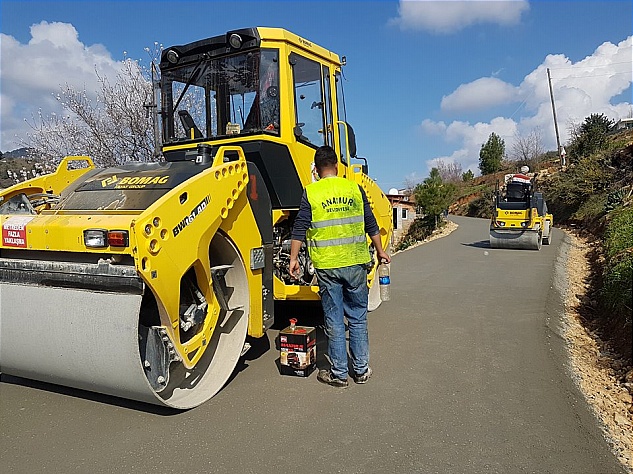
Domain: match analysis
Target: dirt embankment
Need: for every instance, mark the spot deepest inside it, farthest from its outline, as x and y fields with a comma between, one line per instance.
x=605, y=380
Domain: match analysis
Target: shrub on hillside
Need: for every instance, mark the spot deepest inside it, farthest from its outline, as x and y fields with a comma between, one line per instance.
x=617, y=279
x=618, y=271
x=579, y=193
x=421, y=228
x=481, y=206
x=591, y=136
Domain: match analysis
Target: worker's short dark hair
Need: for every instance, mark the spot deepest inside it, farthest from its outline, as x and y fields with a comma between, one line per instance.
x=325, y=157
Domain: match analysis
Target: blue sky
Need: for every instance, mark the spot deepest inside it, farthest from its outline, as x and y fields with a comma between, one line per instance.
x=426, y=80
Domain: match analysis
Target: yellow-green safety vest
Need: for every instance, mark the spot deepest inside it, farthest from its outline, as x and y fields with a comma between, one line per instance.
x=336, y=237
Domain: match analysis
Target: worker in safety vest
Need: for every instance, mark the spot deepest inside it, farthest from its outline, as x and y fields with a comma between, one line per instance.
x=334, y=218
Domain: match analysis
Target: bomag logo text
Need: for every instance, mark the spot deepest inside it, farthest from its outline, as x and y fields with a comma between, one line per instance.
x=189, y=219
x=108, y=181
x=305, y=43
x=141, y=181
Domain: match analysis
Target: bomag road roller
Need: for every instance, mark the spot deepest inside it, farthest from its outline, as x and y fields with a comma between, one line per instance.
x=143, y=280
x=520, y=219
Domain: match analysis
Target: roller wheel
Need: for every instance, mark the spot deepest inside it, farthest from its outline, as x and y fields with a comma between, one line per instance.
x=188, y=388
x=547, y=234
x=113, y=343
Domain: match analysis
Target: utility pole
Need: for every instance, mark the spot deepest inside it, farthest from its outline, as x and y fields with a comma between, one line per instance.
x=561, y=156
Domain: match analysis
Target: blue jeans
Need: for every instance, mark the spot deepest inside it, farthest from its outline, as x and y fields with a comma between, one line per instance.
x=344, y=293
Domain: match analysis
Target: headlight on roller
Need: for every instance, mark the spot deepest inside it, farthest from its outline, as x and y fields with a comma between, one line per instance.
x=101, y=238
x=96, y=238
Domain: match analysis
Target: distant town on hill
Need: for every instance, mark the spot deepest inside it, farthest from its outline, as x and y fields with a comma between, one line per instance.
x=19, y=153
x=18, y=165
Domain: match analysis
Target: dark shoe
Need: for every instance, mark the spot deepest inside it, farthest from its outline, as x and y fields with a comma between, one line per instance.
x=326, y=376
x=362, y=378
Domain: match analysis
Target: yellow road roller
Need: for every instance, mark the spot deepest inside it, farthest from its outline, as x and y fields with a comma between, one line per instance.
x=520, y=219
x=143, y=280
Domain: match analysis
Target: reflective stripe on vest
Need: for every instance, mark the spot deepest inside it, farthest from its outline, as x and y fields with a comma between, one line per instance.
x=347, y=220
x=336, y=237
x=332, y=242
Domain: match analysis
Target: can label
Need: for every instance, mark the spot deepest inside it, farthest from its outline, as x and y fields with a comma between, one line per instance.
x=384, y=280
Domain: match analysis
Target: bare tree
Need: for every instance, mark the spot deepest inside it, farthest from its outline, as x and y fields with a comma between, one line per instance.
x=112, y=129
x=409, y=185
x=449, y=172
x=528, y=149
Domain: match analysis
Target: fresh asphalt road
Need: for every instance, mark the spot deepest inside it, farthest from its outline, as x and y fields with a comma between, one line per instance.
x=470, y=376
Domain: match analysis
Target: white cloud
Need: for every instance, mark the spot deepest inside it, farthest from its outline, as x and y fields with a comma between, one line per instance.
x=449, y=16
x=481, y=93
x=32, y=74
x=433, y=128
x=458, y=156
x=580, y=89
x=412, y=179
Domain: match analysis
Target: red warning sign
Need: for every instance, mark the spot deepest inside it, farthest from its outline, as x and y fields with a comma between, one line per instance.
x=14, y=231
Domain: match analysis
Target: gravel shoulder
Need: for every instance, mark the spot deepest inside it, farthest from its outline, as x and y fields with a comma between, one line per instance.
x=606, y=382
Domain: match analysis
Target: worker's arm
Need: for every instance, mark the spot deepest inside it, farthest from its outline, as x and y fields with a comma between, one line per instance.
x=383, y=257
x=293, y=267
x=372, y=229
x=299, y=229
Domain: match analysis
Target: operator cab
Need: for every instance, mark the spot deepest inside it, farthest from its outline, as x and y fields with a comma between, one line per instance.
x=518, y=192
x=253, y=84
x=219, y=87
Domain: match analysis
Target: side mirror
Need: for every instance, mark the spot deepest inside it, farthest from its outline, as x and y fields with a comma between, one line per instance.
x=364, y=167
x=352, y=141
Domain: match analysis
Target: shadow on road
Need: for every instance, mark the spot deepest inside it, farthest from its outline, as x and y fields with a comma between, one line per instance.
x=482, y=244
x=92, y=396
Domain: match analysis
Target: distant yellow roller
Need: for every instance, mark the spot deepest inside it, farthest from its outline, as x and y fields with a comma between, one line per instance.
x=520, y=219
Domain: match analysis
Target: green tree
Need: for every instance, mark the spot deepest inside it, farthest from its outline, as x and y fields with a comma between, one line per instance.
x=491, y=154
x=468, y=176
x=433, y=196
x=591, y=136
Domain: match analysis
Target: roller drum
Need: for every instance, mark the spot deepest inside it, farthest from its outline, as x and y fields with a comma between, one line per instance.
x=515, y=239
x=89, y=340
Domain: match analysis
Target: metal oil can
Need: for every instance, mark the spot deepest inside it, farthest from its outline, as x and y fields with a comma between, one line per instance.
x=297, y=346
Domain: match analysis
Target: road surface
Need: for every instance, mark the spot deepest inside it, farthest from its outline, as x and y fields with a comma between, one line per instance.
x=470, y=376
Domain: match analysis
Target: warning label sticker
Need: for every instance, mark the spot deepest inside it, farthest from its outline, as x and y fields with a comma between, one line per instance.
x=14, y=231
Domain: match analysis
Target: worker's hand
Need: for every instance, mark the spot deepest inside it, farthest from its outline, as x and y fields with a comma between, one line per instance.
x=383, y=257
x=294, y=268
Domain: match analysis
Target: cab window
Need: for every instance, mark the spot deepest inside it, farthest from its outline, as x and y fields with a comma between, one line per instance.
x=309, y=101
x=342, y=116
x=329, y=121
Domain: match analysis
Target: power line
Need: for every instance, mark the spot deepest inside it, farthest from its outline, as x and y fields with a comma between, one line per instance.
x=594, y=75
x=582, y=66
x=523, y=102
